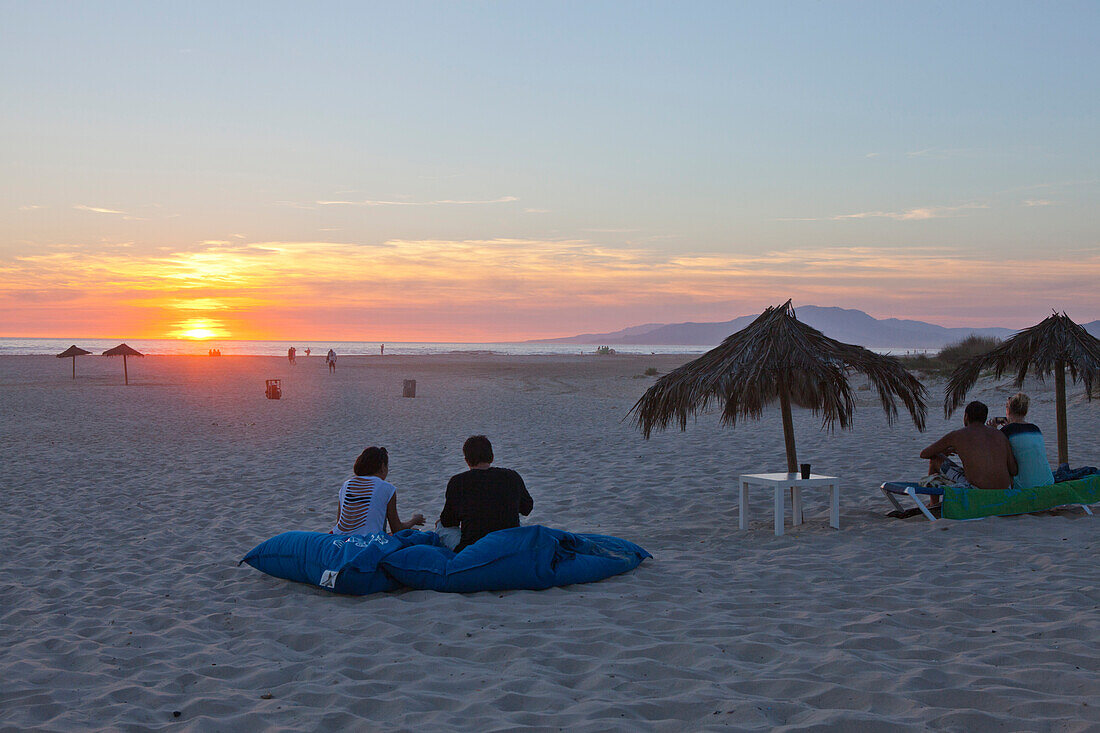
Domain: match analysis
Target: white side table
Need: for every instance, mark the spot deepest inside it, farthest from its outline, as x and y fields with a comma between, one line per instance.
x=779, y=483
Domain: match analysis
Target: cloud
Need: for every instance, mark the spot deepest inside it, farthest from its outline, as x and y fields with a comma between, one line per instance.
x=31, y=207
x=1050, y=185
x=940, y=153
x=1038, y=202
x=519, y=288
x=125, y=216
x=536, y=211
x=97, y=209
x=440, y=202
x=915, y=214
x=198, y=304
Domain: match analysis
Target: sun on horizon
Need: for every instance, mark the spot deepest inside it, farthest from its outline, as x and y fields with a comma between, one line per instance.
x=199, y=330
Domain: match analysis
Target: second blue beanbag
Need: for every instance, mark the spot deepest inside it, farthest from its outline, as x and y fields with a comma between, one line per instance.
x=532, y=558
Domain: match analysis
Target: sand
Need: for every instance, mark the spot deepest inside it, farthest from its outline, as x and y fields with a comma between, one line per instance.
x=124, y=511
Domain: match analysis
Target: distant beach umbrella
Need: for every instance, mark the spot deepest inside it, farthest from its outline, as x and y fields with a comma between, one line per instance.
x=73, y=351
x=778, y=358
x=1044, y=349
x=124, y=351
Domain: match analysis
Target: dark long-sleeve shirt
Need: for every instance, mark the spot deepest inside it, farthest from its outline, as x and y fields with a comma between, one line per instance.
x=483, y=500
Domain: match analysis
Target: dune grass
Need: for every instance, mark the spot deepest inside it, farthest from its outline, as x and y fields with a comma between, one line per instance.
x=950, y=356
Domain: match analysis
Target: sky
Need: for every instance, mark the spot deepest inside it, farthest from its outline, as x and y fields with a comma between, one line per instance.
x=498, y=171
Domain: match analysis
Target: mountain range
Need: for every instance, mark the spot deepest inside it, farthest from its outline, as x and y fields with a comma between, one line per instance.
x=848, y=325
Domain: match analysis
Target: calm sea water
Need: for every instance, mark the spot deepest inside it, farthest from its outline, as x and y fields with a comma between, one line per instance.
x=344, y=348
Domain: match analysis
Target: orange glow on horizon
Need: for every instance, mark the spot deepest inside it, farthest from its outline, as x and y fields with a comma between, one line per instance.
x=502, y=289
x=199, y=330
x=198, y=334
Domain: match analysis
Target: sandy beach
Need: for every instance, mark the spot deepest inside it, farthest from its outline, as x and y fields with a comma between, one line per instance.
x=125, y=510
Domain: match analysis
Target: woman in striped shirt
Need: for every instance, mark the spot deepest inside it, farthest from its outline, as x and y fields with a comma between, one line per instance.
x=367, y=501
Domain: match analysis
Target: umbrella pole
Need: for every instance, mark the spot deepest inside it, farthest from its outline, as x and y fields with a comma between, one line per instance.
x=1060, y=410
x=788, y=426
x=125, y=373
x=74, y=367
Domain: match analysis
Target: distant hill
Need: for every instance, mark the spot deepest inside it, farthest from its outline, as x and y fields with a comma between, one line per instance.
x=602, y=338
x=1093, y=328
x=851, y=326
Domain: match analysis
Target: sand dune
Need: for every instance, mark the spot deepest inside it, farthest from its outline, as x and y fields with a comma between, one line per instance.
x=125, y=510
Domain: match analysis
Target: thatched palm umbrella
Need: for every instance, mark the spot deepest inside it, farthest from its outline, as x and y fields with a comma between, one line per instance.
x=73, y=351
x=123, y=350
x=1045, y=348
x=777, y=357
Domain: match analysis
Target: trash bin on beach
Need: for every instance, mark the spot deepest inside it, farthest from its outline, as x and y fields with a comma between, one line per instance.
x=408, y=389
x=274, y=389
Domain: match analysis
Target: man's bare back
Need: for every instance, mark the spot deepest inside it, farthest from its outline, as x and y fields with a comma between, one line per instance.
x=985, y=452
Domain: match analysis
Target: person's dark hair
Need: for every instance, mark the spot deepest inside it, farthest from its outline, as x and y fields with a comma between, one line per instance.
x=976, y=412
x=371, y=461
x=477, y=449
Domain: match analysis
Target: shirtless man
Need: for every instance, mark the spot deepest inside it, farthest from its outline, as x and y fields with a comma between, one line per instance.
x=988, y=462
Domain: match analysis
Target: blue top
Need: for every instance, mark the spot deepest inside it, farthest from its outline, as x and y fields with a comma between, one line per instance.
x=1031, y=455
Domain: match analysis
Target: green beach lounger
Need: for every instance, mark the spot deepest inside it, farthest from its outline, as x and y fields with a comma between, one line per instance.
x=970, y=503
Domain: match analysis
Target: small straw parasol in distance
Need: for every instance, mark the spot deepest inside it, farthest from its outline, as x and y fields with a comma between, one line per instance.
x=778, y=358
x=73, y=351
x=1044, y=349
x=124, y=351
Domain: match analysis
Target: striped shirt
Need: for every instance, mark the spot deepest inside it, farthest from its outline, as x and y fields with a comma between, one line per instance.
x=363, y=503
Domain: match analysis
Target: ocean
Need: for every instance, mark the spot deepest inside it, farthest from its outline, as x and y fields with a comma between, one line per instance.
x=11, y=346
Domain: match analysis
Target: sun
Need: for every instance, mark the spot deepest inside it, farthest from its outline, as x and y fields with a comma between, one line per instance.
x=199, y=329
x=198, y=334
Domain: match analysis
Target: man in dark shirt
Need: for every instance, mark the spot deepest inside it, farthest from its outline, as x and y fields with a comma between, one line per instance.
x=483, y=499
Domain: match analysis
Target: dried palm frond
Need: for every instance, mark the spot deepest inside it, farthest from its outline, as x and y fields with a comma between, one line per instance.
x=778, y=357
x=123, y=350
x=1055, y=343
x=72, y=351
x=1045, y=349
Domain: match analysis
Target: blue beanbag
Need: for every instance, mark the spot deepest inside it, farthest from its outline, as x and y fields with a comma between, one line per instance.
x=337, y=562
x=531, y=558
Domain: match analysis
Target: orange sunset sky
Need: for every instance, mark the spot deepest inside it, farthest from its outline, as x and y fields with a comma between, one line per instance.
x=461, y=172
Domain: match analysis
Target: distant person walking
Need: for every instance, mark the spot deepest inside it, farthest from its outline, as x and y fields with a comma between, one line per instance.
x=382, y=350
x=330, y=359
x=290, y=354
x=307, y=352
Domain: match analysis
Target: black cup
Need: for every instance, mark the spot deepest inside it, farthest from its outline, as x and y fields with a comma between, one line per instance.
x=805, y=467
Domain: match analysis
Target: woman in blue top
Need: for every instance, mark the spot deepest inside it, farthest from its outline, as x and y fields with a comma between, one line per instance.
x=1027, y=445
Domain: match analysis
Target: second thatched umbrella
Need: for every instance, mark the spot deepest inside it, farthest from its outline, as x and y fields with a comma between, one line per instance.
x=123, y=350
x=73, y=351
x=1046, y=348
x=778, y=358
